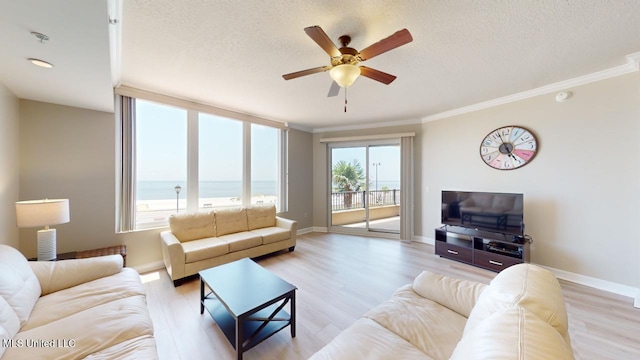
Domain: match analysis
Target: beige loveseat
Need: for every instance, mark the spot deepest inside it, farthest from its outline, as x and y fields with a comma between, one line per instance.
x=202, y=240
x=73, y=309
x=520, y=315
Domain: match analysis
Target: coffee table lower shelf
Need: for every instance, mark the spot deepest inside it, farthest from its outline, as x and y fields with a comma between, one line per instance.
x=256, y=328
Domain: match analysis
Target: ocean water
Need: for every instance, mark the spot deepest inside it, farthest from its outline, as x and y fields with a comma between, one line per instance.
x=162, y=190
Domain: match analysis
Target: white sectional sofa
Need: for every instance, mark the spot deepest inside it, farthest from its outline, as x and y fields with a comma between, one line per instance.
x=519, y=315
x=73, y=309
x=198, y=241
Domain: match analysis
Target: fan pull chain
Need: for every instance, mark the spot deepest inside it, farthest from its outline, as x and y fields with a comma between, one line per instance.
x=345, y=99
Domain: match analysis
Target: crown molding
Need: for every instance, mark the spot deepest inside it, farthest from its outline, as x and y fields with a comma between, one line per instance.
x=633, y=60
x=368, y=126
x=632, y=65
x=300, y=127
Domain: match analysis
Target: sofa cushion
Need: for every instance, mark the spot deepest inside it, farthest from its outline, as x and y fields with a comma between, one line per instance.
x=203, y=249
x=512, y=333
x=91, y=330
x=457, y=295
x=366, y=339
x=242, y=240
x=9, y=322
x=58, y=275
x=19, y=286
x=192, y=226
x=261, y=216
x=79, y=298
x=432, y=328
x=142, y=347
x=272, y=234
x=232, y=220
x=529, y=286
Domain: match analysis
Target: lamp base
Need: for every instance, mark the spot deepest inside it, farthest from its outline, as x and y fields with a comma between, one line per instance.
x=47, y=245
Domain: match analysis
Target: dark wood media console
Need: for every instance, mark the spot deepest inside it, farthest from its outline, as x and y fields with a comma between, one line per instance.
x=493, y=251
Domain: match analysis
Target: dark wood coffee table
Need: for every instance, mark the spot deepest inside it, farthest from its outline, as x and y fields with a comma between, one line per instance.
x=247, y=302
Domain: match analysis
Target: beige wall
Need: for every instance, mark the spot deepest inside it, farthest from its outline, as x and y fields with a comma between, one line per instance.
x=582, y=191
x=9, y=158
x=70, y=153
x=67, y=152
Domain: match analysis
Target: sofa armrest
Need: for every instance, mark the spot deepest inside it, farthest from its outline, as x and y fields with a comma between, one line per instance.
x=58, y=275
x=455, y=294
x=288, y=224
x=172, y=255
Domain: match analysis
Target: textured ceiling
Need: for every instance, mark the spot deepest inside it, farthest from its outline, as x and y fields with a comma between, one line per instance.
x=232, y=54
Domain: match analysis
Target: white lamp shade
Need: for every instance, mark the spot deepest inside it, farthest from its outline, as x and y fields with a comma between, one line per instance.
x=344, y=74
x=37, y=213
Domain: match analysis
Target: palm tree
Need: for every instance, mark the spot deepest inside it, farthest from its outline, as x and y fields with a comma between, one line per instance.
x=347, y=178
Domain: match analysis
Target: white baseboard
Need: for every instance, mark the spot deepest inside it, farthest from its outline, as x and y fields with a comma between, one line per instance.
x=605, y=285
x=322, y=229
x=424, y=239
x=304, y=231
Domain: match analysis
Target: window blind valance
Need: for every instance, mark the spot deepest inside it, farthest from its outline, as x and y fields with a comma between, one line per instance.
x=124, y=90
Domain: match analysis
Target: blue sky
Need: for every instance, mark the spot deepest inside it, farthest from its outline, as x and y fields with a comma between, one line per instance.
x=162, y=146
x=387, y=156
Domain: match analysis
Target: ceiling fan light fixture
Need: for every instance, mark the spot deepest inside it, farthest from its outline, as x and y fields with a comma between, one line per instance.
x=345, y=74
x=40, y=63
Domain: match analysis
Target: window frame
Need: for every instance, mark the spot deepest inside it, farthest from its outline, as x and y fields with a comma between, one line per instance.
x=125, y=152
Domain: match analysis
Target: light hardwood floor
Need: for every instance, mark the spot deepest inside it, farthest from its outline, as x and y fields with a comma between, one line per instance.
x=339, y=277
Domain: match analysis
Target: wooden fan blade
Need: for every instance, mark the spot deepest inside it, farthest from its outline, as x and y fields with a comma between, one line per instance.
x=320, y=37
x=377, y=75
x=298, y=74
x=398, y=39
x=334, y=90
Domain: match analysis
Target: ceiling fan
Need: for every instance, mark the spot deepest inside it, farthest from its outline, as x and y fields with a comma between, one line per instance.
x=344, y=68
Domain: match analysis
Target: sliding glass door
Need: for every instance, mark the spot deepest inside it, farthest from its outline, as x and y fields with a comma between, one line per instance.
x=384, y=189
x=365, y=187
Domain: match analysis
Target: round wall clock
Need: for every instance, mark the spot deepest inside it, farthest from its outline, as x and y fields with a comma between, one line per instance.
x=508, y=148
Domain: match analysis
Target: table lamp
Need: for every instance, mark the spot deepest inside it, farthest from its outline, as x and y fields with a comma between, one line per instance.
x=37, y=213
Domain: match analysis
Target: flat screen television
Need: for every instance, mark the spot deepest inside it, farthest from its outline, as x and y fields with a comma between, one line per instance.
x=484, y=211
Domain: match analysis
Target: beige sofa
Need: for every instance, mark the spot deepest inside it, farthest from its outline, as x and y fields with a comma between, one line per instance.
x=202, y=240
x=520, y=315
x=72, y=309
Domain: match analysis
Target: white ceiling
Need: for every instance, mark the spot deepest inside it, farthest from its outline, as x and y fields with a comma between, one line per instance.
x=231, y=54
x=78, y=48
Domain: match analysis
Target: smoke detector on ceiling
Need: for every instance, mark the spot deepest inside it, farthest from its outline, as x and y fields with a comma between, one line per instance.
x=563, y=96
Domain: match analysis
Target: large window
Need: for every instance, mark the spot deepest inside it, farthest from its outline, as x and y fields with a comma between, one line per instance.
x=264, y=165
x=161, y=159
x=220, y=161
x=177, y=159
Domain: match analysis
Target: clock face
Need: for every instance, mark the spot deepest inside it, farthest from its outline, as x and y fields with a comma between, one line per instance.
x=508, y=148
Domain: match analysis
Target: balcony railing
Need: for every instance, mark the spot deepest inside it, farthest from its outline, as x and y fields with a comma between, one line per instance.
x=357, y=199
